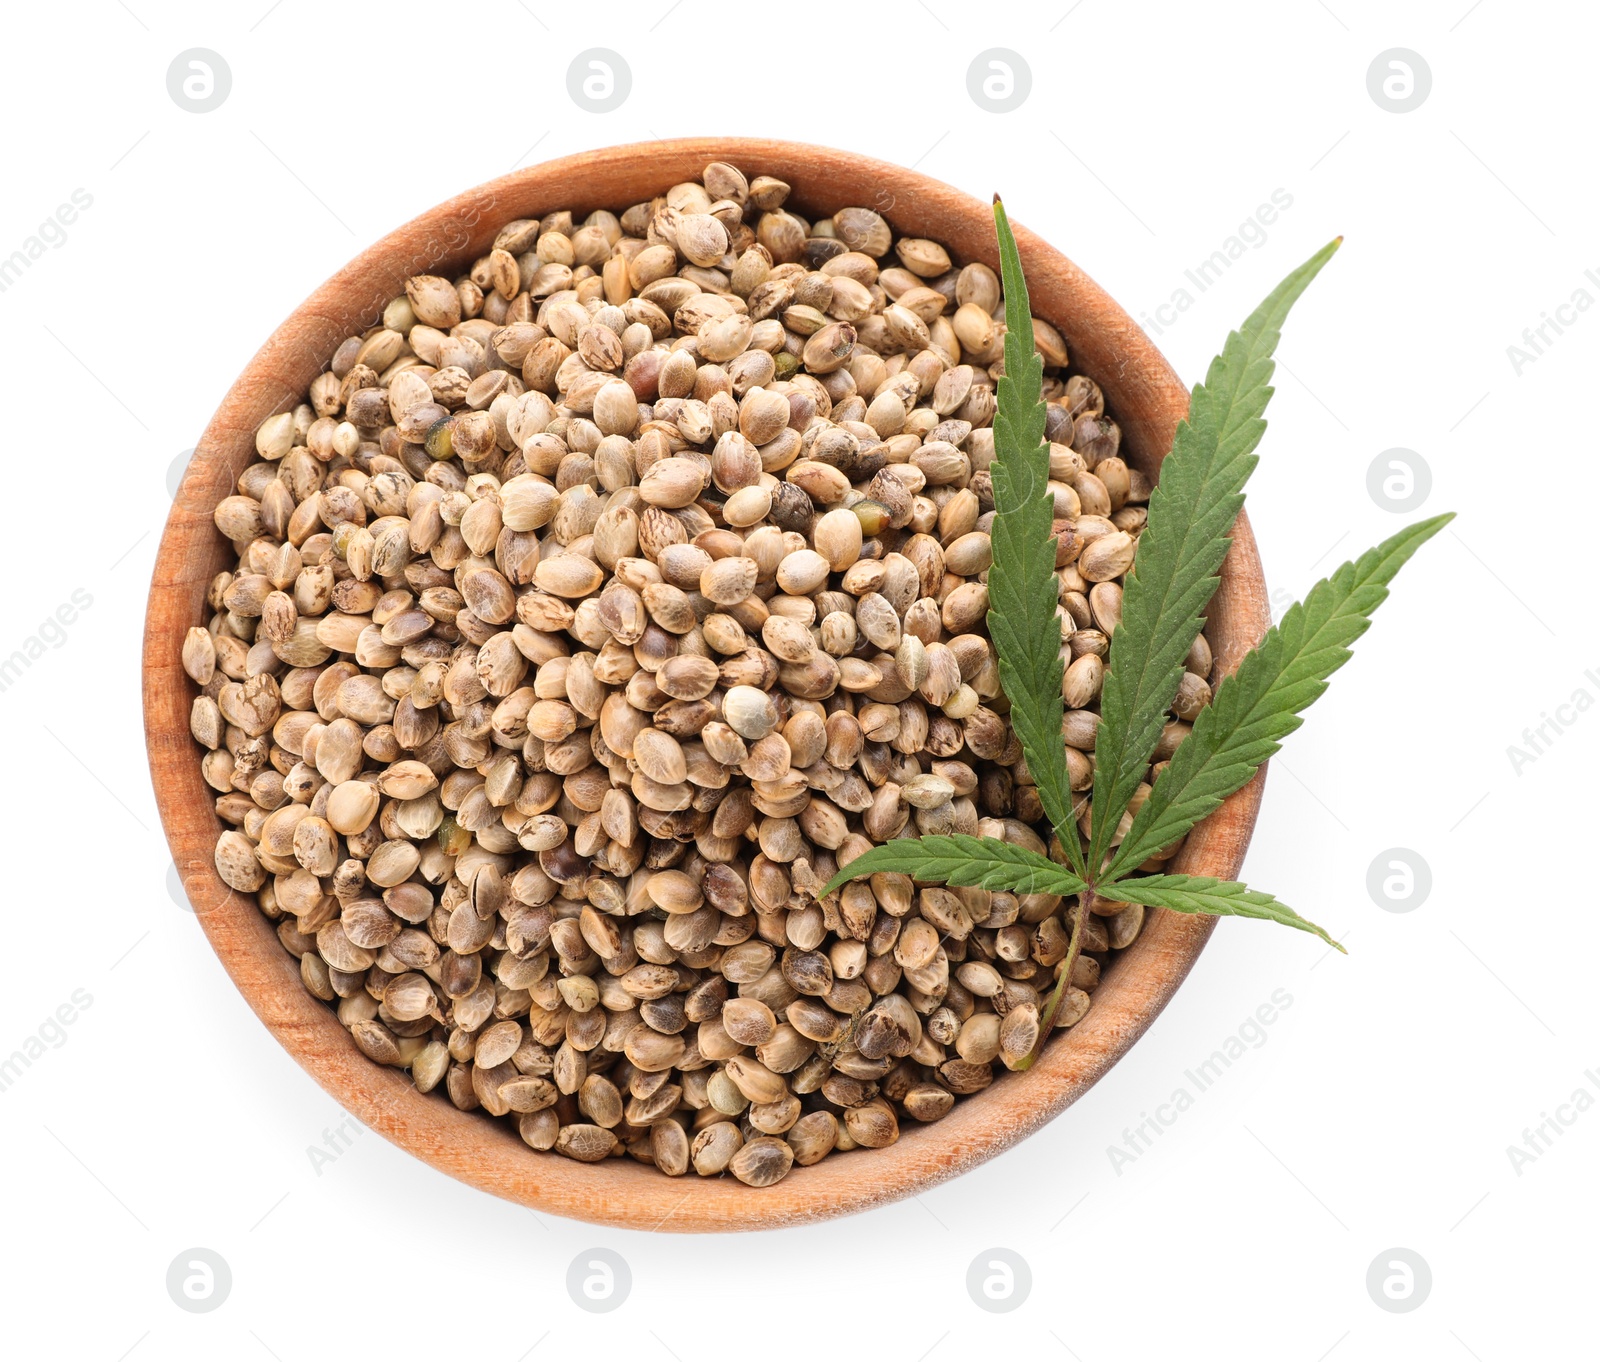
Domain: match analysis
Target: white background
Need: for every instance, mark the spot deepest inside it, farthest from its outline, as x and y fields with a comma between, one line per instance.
x=1379, y=1110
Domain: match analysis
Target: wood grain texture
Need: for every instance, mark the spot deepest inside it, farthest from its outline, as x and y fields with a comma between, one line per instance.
x=1141, y=392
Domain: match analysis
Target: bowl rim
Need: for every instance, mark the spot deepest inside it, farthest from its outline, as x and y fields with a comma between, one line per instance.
x=1142, y=391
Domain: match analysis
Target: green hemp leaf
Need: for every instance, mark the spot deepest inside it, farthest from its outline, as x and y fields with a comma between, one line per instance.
x=1180, y=550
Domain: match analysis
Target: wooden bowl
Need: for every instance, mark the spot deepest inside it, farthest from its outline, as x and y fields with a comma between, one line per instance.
x=1142, y=393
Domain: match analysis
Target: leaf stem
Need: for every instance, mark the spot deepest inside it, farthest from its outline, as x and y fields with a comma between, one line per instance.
x=1048, y=1021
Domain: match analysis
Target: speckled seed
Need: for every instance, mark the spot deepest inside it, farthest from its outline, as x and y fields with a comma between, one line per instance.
x=872, y=1125
x=1107, y=557
x=714, y=1147
x=762, y=1161
x=729, y=580
x=813, y=1137
x=659, y=756
x=672, y=482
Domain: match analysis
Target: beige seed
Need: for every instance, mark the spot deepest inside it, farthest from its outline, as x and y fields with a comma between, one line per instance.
x=1080, y=685
x=429, y=1066
x=701, y=238
x=829, y=347
x=569, y=575
x=392, y=863
x=409, y=998
x=669, y=1148
x=376, y=1042
x=837, y=538
x=927, y=791
x=754, y=1080
x=527, y=503
x=407, y=780
x=762, y=415
x=747, y=506
x=722, y=338
x=659, y=756
x=652, y=1051
x=434, y=300
x=199, y=656
x=968, y=555
x=975, y=328
x=774, y=1118
x=674, y=892
x=530, y=1093
x=922, y=257
x=813, y=1137
x=599, y=1100
x=714, y=1147
x=1123, y=928
x=275, y=435
x=728, y=581
x=749, y=1021
x=673, y=482
x=979, y=1040
x=927, y=1102
x=802, y=572
x=1018, y=1034
x=237, y=864
x=1193, y=696
x=762, y=1161
x=749, y=712
x=787, y=639
x=687, y=677
x=497, y=1044
x=586, y=1143
x=1109, y=556
x=873, y=1125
